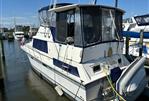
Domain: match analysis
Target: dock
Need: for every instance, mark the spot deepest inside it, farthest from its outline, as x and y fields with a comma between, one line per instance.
x=1, y=70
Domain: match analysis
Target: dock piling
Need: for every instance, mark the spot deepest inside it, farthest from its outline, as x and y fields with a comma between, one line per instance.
x=141, y=43
x=127, y=46
x=2, y=57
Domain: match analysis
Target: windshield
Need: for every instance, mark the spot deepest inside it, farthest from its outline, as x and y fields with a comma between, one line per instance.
x=108, y=30
x=44, y=17
x=18, y=28
x=91, y=25
x=142, y=20
x=98, y=25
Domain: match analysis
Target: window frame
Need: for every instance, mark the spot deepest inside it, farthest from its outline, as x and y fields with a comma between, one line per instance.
x=66, y=24
x=40, y=45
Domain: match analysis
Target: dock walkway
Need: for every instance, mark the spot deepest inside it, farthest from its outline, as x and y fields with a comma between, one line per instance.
x=1, y=70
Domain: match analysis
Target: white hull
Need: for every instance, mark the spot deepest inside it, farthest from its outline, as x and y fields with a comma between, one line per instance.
x=69, y=86
x=18, y=38
x=18, y=35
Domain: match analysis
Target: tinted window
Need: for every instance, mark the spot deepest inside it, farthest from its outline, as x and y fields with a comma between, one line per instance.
x=91, y=25
x=108, y=30
x=65, y=27
x=40, y=45
x=118, y=22
x=100, y=25
x=61, y=27
x=96, y=68
x=71, y=69
x=142, y=20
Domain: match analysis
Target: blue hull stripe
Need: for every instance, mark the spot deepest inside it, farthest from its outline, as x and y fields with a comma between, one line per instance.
x=135, y=34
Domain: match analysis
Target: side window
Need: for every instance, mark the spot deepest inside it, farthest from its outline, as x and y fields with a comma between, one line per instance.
x=108, y=30
x=61, y=24
x=40, y=45
x=70, y=69
x=118, y=22
x=70, y=27
x=91, y=25
x=65, y=27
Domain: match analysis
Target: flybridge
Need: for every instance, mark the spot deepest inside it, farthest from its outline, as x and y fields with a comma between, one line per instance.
x=80, y=26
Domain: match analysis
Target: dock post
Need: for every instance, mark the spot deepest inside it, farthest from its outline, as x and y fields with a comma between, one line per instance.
x=1, y=68
x=127, y=46
x=141, y=43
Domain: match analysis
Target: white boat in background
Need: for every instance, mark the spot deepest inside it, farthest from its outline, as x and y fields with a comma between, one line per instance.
x=18, y=33
x=78, y=48
x=136, y=23
x=132, y=28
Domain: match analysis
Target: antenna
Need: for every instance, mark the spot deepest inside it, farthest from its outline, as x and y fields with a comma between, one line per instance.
x=94, y=2
x=14, y=24
x=1, y=30
x=116, y=3
x=55, y=1
x=50, y=4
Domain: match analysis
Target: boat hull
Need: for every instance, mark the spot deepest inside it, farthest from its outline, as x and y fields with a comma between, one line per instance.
x=18, y=37
x=68, y=86
x=92, y=91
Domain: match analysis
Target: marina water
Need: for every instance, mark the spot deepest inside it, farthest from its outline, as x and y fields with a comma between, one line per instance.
x=21, y=83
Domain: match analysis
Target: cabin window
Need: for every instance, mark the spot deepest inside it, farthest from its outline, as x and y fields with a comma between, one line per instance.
x=96, y=68
x=100, y=26
x=43, y=17
x=40, y=45
x=108, y=29
x=118, y=22
x=91, y=25
x=70, y=69
x=65, y=27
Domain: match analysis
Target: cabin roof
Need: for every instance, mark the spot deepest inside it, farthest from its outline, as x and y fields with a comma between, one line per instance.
x=51, y=6
x=73, y=6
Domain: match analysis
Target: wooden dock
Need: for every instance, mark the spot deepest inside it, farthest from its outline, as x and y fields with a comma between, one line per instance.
x=1, y=70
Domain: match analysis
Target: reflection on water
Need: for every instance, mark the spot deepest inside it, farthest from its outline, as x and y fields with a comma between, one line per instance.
x=40, y=87
x=21, y=83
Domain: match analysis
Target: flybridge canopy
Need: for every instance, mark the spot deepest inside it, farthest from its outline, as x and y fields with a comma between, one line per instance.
x=83, y=25
x=142, y=20
x=45, y=16
x=87, y=25
x=64, y=8
x=51, y=6
x=72, y=6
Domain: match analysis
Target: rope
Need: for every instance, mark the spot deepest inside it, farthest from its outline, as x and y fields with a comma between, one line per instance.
x=113, y=21
x=117, y=94
x=78, y=90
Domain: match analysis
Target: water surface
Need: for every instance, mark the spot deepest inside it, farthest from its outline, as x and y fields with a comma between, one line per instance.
x=21, y=83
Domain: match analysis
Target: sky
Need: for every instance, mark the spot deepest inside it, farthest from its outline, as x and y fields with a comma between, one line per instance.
x=25, y=12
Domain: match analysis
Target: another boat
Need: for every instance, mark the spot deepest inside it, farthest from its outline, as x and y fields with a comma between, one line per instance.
x=136, y=23
x=132, y=28
x=10, y=37
x=18, y=33
x=78, y=48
